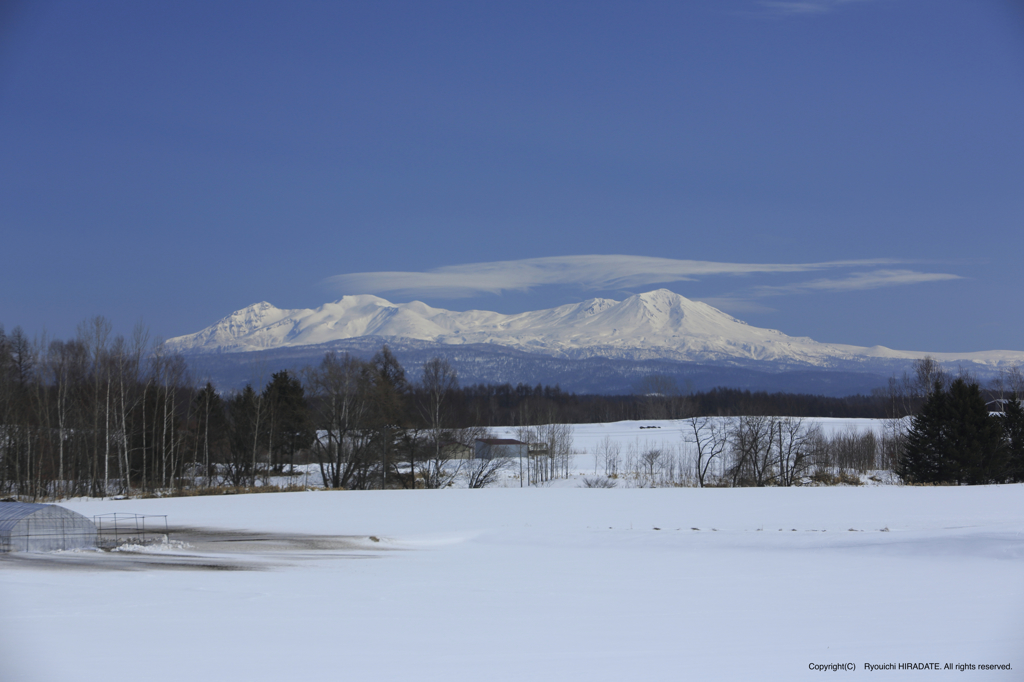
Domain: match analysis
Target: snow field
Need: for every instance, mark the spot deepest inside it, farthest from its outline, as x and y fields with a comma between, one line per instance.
x=548, y=584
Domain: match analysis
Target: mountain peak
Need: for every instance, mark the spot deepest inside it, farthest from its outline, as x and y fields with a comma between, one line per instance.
x=363, y=299
x=260, y=307
x=661, y=294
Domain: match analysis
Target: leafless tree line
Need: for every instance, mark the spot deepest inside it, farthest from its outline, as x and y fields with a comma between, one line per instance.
x=550, y=451
x=364, y=442
x=740, y=451
x=96, y=415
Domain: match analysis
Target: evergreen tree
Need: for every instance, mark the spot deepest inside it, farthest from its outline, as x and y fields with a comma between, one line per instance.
x=954, y=439
x=924, y=456
x=290, y=428
x=211, y=429
x=1013, y=431
x=245, y=420
x=977, y=435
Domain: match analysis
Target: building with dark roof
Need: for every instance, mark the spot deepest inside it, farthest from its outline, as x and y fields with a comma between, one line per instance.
x=489, y=448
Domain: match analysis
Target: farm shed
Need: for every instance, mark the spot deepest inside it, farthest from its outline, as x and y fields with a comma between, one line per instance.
x=452, y=450
x=28, y=527
x=489, y=448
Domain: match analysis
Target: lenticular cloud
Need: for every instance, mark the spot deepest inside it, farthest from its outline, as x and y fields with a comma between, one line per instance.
x=604, y=273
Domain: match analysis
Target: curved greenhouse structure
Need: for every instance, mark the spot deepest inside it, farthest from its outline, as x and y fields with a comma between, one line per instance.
x=26, y=527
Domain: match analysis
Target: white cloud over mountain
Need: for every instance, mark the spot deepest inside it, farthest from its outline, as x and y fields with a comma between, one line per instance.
x=619, y=272
x=858, y=281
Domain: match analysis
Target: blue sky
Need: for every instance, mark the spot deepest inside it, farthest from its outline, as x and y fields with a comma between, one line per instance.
x=849, y=170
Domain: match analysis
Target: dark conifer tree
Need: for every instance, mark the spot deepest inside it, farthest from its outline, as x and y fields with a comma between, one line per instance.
x=1013, y=430
x=245, y=426
x=211, y=429
x=977, y=435
x=290, y=427
x=954, y=439
x=926, y=455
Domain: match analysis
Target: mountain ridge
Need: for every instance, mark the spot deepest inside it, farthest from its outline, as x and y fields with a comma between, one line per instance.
x=658, y=324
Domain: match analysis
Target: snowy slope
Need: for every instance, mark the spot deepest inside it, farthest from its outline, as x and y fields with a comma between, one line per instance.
x=656, y=324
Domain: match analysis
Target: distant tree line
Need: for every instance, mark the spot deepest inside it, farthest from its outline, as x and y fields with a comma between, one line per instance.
x=505, y=405
x=108, y=415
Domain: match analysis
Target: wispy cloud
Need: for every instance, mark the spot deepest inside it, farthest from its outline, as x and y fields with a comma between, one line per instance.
x=737, y=306
x=752, y=300
x=858, y=281
x=616, y=272
x=804, y=6
x=797, y=7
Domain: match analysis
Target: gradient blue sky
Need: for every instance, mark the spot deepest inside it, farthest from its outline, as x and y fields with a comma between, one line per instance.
x=849, y=170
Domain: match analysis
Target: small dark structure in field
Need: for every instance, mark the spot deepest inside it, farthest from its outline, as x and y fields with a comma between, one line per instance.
x=26, y=527
x=491, y=448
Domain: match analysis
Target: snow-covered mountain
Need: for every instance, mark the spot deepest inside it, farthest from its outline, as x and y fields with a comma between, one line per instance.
x=654, y=325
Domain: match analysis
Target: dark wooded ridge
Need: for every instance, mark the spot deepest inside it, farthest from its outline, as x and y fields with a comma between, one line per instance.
x=504, y=405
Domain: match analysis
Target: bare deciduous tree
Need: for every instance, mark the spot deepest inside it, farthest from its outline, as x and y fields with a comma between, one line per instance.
x=794, y=455
x=386, y=388
x=550, y=447
x=709, y=438
x=750, y=444
x=340, y=446
x=439, y=381
x=609, y=453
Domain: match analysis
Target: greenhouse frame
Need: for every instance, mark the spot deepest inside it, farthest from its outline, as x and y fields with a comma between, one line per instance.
x=28, y=527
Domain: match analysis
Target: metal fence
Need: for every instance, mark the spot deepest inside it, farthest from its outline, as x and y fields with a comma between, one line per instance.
x=113, y=530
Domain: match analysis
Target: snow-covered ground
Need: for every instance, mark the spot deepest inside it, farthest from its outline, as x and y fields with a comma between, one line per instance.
x=532, y=584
